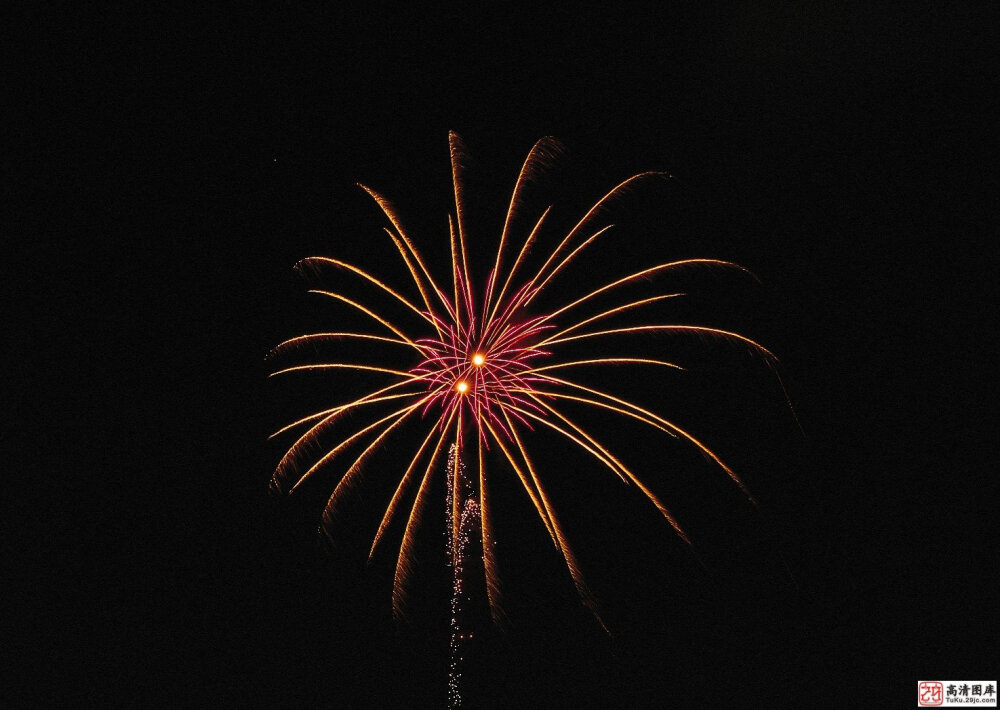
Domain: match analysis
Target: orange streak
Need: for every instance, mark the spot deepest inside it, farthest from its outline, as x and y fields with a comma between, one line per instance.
x=404, y=561
x=372, y=314
x=635, y=479
x=301, y=339
x=341, y=408
x=608, y=313
x=561, y=543
x=454, y=273
x=673, y=427
x=533, y=155
x=531, y=293
x=390, y=213
x=313, y=431
x=517, y=262
x=603, y=361
x=456, y=149
x=680, y=328
x=489, y=544
x=416, y=277
x=390, y=511
x=600, y=457
x=641, y=274
x=348, y=478
x=591, y=212
x=596, y=403
x=339, y=366
x=366, y=275
x=346, y=442
x=524, y=480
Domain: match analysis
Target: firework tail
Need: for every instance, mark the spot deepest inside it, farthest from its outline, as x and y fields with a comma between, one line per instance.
x=460, y=537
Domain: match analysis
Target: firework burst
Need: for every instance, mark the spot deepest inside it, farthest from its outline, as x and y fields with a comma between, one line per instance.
x=485, y=372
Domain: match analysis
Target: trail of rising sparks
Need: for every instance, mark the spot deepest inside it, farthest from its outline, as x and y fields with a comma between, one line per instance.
x=480, y=372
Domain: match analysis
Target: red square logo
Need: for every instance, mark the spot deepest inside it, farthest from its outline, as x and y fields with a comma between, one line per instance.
x=930, y=693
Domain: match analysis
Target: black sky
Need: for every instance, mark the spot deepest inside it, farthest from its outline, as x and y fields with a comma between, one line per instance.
x=178, y=163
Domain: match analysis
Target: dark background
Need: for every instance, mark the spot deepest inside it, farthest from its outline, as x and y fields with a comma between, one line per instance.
x=170, y=168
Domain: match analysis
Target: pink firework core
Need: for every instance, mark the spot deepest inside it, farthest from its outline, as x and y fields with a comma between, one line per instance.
x=482, y=370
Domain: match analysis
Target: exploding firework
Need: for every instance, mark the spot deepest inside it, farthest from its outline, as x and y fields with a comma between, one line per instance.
x=485, y=373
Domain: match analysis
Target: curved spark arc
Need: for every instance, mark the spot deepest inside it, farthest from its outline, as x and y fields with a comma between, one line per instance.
x=489, y=543
x=387, y=209
x=404, y=483
x=517, y=262
x=310, y=435
x=339, y=409
x=364, y=274
x=642, y=274
x=561, y=542
x=559, y=267
x=666, y=328
x=368, y=312
x=534, y=155
x=673, y=427
x=403, y=562
x=529, y=487
x=312, y=337
x=589, y=215
x=484, y=376
x=353, y=437
x=609, y=313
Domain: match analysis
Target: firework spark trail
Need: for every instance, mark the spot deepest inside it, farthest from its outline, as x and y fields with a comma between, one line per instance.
x=484, y=376
x=460, y=496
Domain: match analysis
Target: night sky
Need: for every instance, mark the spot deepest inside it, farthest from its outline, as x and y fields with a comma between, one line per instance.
x=175, y=167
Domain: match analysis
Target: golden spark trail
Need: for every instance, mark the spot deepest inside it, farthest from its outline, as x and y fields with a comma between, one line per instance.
x=390, y=213
x=372, y=279
x=533, y=292
x=642, y=274
x=370, y=313
x=489, y=544
x=590, y=213
x=311, y=337
x=607, y=314
x=346, y=442
x=603, y=405
x=404, y=483
x=600, y=457
x=603, y=361
x=348, y=478
x=561, y=542
x=337, y=410
x=664, y=328
x=403, y=562
x=631, y=476
x=533, y=156
x=517, y=262
x=673, y=427
x=528, y=487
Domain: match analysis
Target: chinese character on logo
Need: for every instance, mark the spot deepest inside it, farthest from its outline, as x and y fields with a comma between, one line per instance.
x=930, y=694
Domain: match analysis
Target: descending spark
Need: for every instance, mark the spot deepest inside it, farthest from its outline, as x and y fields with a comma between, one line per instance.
x=459, y=494
x=479, y=372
